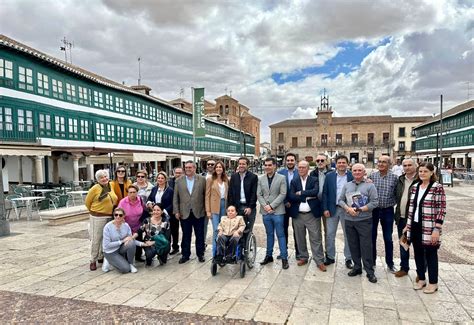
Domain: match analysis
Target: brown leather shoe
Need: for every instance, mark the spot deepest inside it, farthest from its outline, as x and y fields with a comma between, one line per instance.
x=93, y=266
x=400, y=273
x=322, y=267
x=302, y=262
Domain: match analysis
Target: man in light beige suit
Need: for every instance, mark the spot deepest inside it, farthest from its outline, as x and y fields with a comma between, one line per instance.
x=188, y=207
x=271, y=194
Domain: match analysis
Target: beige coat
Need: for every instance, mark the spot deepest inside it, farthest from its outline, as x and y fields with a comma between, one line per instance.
x=228, y=226
x=213, y=196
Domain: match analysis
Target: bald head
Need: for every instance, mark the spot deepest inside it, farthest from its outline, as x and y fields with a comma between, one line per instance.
x=384, y=164
x=303, y=168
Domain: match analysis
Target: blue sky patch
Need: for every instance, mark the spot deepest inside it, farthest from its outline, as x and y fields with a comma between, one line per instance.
x=346, y=60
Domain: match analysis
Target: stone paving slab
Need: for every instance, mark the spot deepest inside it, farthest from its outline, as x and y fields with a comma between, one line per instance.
x=49, y=266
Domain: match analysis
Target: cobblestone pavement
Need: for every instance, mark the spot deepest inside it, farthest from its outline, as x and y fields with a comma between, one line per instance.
x=44, y=277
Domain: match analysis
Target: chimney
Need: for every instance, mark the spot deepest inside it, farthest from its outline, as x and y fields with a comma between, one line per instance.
x=142, y=89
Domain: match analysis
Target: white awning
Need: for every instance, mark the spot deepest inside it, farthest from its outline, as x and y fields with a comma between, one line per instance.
x=459, y=155
x=470, y=155
x=104, y=160
x=186, y=158
x=16, y=151
x=145, y=156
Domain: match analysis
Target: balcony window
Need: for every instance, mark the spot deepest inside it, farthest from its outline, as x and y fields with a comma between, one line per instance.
x=355, y=138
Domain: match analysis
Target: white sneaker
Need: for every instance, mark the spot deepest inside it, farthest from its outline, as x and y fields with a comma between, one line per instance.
x=105, y=266
x=133, y=269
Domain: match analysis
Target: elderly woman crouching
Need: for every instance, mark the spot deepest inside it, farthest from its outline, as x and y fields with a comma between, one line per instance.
x=100, y=202
x=119, y=244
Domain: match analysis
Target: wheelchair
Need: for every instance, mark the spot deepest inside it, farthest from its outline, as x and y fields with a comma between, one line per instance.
x=245, y=253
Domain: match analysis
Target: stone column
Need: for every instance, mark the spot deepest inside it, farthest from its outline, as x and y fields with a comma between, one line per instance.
x=55, y=169
x=90, y=172
x=20, y=170
x=75, y=169
x=39, y=169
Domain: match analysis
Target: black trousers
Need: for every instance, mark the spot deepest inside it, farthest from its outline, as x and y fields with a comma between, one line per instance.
x=359, y=237
x=150, y=252
x=187, y=226
x=174, y=228
x=425, y=256
x=226, y=245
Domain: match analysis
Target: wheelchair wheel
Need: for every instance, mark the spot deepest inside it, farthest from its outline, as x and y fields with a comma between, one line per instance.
x=213, y=268
x=251, y=250
x=242, y=269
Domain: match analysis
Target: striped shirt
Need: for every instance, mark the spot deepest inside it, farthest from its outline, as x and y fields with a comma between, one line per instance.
x=386, y=188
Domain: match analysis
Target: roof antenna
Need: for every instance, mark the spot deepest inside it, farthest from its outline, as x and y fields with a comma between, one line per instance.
x=139, y=71
x=67, y=46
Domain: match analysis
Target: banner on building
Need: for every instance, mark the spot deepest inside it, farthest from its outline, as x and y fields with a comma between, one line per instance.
x=198, y=112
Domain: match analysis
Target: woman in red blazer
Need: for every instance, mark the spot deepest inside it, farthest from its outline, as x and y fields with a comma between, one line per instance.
x=426, y=214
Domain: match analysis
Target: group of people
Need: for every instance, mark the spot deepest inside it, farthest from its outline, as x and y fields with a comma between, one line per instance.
x=149, y=217
x=415, y=201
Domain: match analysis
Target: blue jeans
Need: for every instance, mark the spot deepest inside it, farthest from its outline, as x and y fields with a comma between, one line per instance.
x=275, y=223
x=331, y=224
x=386, y=218
x=216, y=219
x=404, y=254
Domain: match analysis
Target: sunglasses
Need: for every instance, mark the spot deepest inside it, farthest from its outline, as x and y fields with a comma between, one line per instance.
x=118, y=215
x=320, y=160
x=140, y=176
x=210, y=164
x=120, y=171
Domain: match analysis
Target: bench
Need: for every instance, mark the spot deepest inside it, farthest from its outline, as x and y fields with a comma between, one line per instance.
x=64, y=216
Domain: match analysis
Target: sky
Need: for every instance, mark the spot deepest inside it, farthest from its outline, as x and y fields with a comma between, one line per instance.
x=275, y=57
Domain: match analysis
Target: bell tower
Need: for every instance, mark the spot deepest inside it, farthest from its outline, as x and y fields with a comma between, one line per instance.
x=324, y=112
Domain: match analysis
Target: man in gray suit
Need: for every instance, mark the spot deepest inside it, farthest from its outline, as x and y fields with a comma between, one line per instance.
x=188, y=207
x=271, y=193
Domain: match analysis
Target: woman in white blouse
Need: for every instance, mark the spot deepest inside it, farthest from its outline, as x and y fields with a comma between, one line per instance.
x=217, y=187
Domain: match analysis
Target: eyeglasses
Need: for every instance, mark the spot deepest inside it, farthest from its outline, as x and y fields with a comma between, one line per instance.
x=118, y=215
x=320, y=160
x=140, y=176
x=120, y=171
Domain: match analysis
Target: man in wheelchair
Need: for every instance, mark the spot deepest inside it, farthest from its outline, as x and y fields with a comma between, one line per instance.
x=230, y=231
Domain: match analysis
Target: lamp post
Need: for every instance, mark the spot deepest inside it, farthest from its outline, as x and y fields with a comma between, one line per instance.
x=373, y=155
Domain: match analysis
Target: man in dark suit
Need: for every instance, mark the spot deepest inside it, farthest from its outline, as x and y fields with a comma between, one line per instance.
x=289, y=172
x=188, y=207
x=333, y=213
x=243, y=192
x=306, y=213
x=177, y=173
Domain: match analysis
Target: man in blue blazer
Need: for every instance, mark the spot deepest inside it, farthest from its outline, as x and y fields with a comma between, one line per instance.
x=333, y=184
x=289, y=172
x=306, y=213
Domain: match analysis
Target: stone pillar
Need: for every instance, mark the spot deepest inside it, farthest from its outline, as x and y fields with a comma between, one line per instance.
x=39, y=169
x=90, y=172
x=55, y=169
x=170, y=166
x=20, y=170
x=75, y=169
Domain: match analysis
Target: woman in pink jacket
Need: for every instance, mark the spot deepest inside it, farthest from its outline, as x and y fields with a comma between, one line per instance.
x=134, y=207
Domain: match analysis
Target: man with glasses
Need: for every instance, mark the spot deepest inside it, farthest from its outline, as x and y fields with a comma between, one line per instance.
x=271, y=193
x=188, y=207
x=177, y=173
x=404, y=185
x=333, y=213
x=243, y=192
x=306, y=213
x=322, y=168
x=289, y=172
x=386, y=184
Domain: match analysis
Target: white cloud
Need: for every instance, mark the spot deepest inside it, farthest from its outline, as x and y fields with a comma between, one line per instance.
x=239, y=44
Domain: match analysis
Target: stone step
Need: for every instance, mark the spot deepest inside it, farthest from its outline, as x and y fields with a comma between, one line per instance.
x=65, y=215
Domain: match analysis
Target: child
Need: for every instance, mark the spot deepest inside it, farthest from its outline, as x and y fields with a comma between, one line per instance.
x=230, y=231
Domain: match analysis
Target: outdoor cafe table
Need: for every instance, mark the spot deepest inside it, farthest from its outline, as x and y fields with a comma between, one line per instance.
x=77, y=193
x=43, y=191
x=28, y=202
